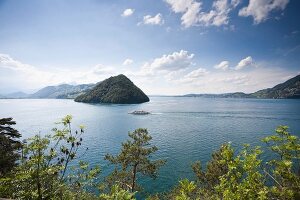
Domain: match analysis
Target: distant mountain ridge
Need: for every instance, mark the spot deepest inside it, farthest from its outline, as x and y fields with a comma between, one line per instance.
x=225, y=95
x=116, y=89
x=288, y=89
x=64, y=91
x=16, y=95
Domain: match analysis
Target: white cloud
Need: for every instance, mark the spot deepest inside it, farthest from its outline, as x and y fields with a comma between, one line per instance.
x=8, y=62
x=248, y=61
x=172, y=62
x=218, y=15
x=128, y=61
x=192, y=15
x=100, y=69
x=232, y=81
x=236, y=79
x=29, y=76
x=127, y=12
x=194, y=75
x=189, y=8
x=235, y=3
x=155, y=20
x=174, y=73
x=224, y=65
x=261, y=9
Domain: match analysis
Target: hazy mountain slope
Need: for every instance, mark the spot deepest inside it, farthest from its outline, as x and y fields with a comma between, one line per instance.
x=15, y=95
x=62, y=91
x=288, y=89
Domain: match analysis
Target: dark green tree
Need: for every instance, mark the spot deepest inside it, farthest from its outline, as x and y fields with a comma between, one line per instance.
x=208, y=179
x=214, y=169
x=9, y=145
x=133, y=160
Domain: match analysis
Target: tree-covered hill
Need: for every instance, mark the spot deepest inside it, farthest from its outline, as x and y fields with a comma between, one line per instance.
x=288, y=89
x=116, y=89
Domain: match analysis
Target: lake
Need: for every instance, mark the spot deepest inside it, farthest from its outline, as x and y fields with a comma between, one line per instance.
x=185, y=129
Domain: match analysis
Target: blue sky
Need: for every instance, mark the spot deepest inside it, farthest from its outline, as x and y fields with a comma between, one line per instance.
x=164, y=46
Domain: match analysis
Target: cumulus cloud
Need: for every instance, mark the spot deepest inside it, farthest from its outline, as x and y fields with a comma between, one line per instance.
x=193, y=16
x=218, y=15
x=127, y=62
x=194, y=75
x=248, y=61
x=233, y=81
x=8, y=62
x=127, y=12
x=100, y=70
x=261, y=9
x=153, y=20
x=189, y=8
x=236, y=79
x=171, y=62
x=224, y=65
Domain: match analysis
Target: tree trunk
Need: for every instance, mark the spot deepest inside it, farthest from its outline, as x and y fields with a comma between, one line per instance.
x=133, y=177
x=38, y=176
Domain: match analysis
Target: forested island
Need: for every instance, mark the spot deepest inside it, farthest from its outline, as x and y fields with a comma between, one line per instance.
x=117, y=89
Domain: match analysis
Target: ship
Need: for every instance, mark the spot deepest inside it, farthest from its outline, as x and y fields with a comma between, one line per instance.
x=139, y=112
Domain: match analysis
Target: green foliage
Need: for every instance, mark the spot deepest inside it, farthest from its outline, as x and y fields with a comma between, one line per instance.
x=42, y=171
x=284, y=171
x=82, y=179
x=118, y=89
x=231, y=175
x=210, y=178
x=244, y=179
x=134, y=159
x=186, y=188
x=118, y=193
x=9, y=145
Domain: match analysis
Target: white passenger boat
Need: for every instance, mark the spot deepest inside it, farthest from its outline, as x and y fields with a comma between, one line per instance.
x=139, y=112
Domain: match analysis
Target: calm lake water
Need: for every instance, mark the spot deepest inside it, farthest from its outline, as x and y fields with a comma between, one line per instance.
x=184, y=129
